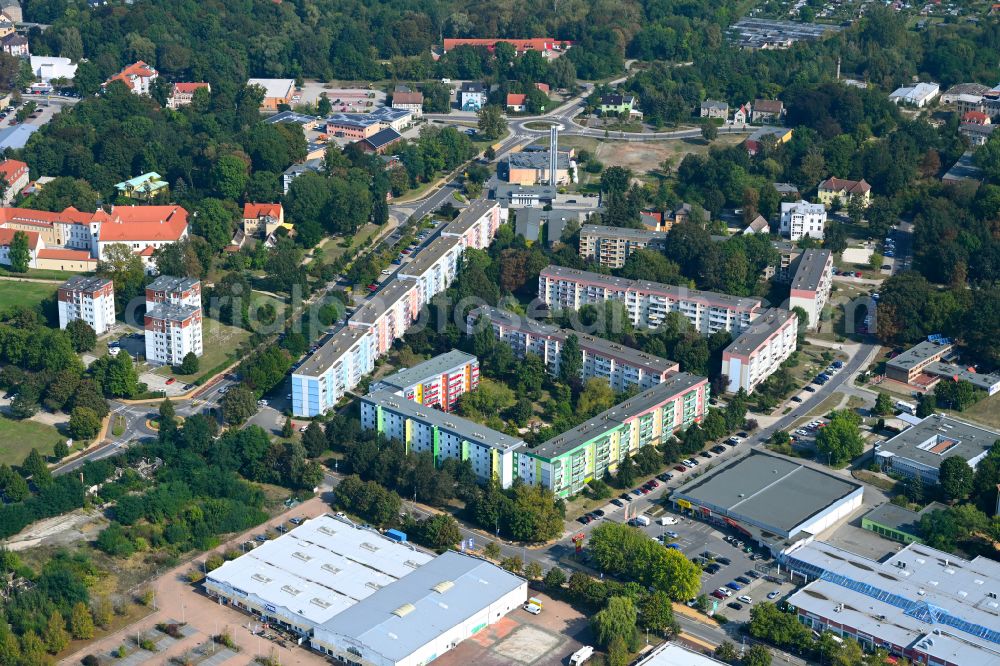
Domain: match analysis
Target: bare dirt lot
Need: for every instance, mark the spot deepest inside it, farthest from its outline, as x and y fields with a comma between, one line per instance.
x=520, y=638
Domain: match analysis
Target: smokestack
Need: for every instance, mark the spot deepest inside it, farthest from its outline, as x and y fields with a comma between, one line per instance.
x=838, y=68
x=553, y=153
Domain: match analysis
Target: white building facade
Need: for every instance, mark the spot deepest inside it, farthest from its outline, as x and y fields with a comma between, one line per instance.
x=811, y=284
x=90, y=299
x=173, y=320
x=801, y=218
x=760, y=350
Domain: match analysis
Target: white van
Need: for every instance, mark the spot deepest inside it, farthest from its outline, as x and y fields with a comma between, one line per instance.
x=532, y=608
x=667, y=520
x=581, y=655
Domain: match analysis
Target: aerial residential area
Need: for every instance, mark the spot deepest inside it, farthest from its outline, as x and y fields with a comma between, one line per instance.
x=611, y=332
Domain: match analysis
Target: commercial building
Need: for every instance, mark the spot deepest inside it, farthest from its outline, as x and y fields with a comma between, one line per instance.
x=674, y=654
x=472, y=96
x=276, y=92
x=766, y=34
x=437, y=382
x=921, y=604
x=918, y=95
x=811, y=284
x=15, y=176
x=381, y=141
x=773, y=500
x=332, y=370
x=898, y=523
x=920, y=449
x=137, y=77
x=567, y=462
x=423, y=615
x=843, y=190
x=173, y=320
x=801, y=218
x=360, y=126
x=491, y=454
x=408, y=100
x=531, y=167
x=612, y=246
x=530, y=223
x=988, y=382
x=760, y=350
x=338, y=365
x=621, y=366
x=909, y=365
x=47, y=68
x=647, y=303
x=549, y=48
x=90, y=299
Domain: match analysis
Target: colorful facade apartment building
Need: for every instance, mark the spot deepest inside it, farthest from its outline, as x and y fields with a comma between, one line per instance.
x=760, y=350
x=437, y=382
x=647, y=303
x=383, y=318
x=621, y=366
x=565, y=463
x=90, y=299
x=491, y=454
x=811, y=284
x=173, y=320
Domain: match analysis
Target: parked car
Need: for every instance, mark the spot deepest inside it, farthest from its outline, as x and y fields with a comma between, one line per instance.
x=584, y=519
x=735, y=605
x=625, y=496
x=796, y=398
x=809, y=389
x=733, y=585
x=666, y=476
x=752, y=574
x=718, y=594
x=599, y=513
x=725, y=561
x=743, y=579
x=726, y=592
x=705, y=454
x=171, y=380
x=713, y=568
x=774, y=594
x=680, y=468
x=617, y=502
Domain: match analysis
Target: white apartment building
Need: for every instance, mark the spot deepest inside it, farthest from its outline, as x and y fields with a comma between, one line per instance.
x=801, y=218
x=91, y=299
x=647, y=303
x=622, y=367
x=372, y=329
x=491, y=453
x=811, y=284
x=760, y=350
x=173, y=320
x=612, y=246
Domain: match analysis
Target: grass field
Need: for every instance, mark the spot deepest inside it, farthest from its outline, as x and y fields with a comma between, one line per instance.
x=17, y=438
x=220, y=343
x=24, y=293
x=42, y=274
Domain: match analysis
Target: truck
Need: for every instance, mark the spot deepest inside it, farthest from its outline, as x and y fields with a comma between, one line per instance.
x=581, y=655
x=533, y=605
x=642, y=520
x=396, y=535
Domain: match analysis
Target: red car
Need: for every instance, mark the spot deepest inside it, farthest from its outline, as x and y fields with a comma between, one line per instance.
x=645, y=491
x=857, y=274
x=680, y=468
x=171, y=380
x=372, y=287
x=718, y=595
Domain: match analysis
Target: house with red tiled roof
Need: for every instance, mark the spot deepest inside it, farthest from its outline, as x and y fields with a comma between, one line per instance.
x=15, y=178
x=833, y=189
x=976, y=118
x=262, y=219
x=35, y=243
x=516, y=102
x=182, y=94
x=142, y=228
x=544, y=87
x=548, y=47
x=136, y=78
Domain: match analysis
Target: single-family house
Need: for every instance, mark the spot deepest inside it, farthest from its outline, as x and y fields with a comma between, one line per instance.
x=12, y=10
x=182, y=93
x=712, y=108
x=758, y=225
x=516, y=102
x=137, y=77
x=409, y=100
x=617, y=105
x=767, y=111
x=15, y=45
x=763, y=136
x=741, y=116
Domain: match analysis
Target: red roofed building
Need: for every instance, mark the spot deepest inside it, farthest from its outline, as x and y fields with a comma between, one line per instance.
x=136, y=78
x=142, y=228
x=15, y=179
x=976, y=118
x=516, y=102
x=548, y=47
x=262, y=219
x=844, y=190
x=544, y=87
x=182, y=94
x=35, y=243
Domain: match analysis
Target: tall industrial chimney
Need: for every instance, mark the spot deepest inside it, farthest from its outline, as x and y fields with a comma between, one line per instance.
x=553, y=153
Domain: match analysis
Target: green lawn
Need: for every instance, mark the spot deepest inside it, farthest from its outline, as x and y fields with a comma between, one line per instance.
x=42, y=274
x=220, y=343
x=24, y=293
x=17, y=438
